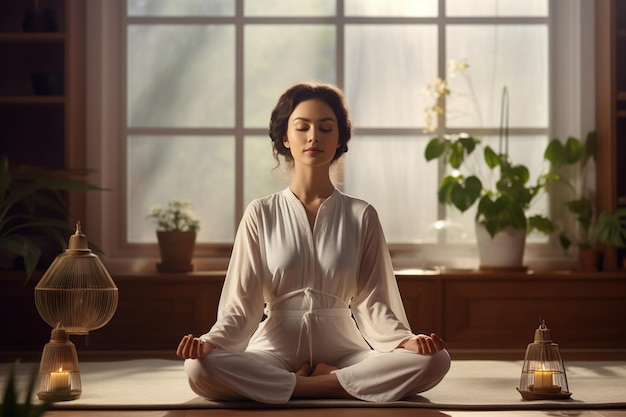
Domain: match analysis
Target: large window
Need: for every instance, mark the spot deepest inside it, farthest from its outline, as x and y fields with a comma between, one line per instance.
x=196, y=81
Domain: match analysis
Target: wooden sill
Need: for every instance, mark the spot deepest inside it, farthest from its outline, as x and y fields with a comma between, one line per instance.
x=16, y=275
x=564, y=275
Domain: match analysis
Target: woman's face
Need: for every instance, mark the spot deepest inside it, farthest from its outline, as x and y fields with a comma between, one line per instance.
x=312, y=133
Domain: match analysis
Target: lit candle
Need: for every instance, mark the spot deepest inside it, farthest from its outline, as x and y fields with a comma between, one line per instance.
x=59, y=381
x=543, y=379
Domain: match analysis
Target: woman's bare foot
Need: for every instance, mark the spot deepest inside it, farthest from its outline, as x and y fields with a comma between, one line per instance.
x=323, y=369
x=304, y=370
x=324, y=385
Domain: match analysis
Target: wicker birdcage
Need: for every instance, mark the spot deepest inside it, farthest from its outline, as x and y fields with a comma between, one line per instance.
x=76, y=290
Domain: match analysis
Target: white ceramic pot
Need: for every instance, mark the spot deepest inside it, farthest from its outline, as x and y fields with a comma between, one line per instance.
x=504, y=251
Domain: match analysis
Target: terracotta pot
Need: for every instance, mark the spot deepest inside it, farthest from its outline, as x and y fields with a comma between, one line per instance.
x=589, y=259
x=176, y=251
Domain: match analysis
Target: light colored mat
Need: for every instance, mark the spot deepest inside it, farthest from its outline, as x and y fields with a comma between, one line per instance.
x=470, y=385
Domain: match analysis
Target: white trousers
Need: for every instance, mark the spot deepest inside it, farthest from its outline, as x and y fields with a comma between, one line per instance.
x=265, y=377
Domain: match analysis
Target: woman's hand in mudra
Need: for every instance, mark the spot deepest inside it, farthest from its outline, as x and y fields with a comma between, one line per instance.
x=191, y=347
x=425, y=345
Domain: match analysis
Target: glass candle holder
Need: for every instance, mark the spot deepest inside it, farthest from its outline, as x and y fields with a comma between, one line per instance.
x=543, y=373
x=59, y=375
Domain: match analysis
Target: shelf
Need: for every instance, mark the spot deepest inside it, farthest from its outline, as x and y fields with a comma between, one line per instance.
x=32, y=37
x=35, y=82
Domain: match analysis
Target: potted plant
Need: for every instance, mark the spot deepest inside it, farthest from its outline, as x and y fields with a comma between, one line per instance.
x=589, y=255
x=33, y=204
x=606, y=227
x=503, y=196
x=176, y=234
x=611, y=228
x=581, y=234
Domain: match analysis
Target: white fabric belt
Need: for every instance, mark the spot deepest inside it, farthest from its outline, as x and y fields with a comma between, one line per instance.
x=342, y=311
x=306, y=323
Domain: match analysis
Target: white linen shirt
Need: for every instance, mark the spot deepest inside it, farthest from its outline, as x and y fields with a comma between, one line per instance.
x=334, y=281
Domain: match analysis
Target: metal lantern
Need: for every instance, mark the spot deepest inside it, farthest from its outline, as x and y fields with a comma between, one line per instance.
x=543, y=373
x=59, y=375
x=76, y=290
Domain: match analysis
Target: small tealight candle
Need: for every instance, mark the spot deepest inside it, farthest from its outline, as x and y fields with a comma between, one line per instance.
x=59, y=381
x=543, y=379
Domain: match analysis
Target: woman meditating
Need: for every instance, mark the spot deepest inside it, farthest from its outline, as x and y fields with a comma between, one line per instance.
x=316, y=263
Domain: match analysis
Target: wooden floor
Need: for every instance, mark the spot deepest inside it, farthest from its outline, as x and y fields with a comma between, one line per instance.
x=339, y=412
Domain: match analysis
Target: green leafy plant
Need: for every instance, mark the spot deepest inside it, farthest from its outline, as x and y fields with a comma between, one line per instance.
x=577, y=155
x=609, y=227
x=502, y=206
x=583, y=209
x=177, y=216
x=11, y=405
x=33, y=201
x=503, y=196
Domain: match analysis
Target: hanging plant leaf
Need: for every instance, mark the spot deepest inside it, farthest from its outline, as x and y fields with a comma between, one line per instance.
x=435, y=148
x=491, y=158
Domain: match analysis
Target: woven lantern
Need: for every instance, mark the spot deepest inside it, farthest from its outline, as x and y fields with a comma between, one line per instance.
x=543, y=373
x=76, y=291
x=74, y=296
x=59, y=375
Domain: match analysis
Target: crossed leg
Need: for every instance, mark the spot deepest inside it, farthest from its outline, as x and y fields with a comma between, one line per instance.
x=367, y=375
x=318, y=383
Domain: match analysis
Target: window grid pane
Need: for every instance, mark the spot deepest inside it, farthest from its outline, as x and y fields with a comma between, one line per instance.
x=290, y=8
x=193, y=168
x=374, y=53
x=181, y=8
x=164, y=93
x=396, y=8
x=385, y=63
x=477, y=8
x=277, y=56
x=495, y=54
